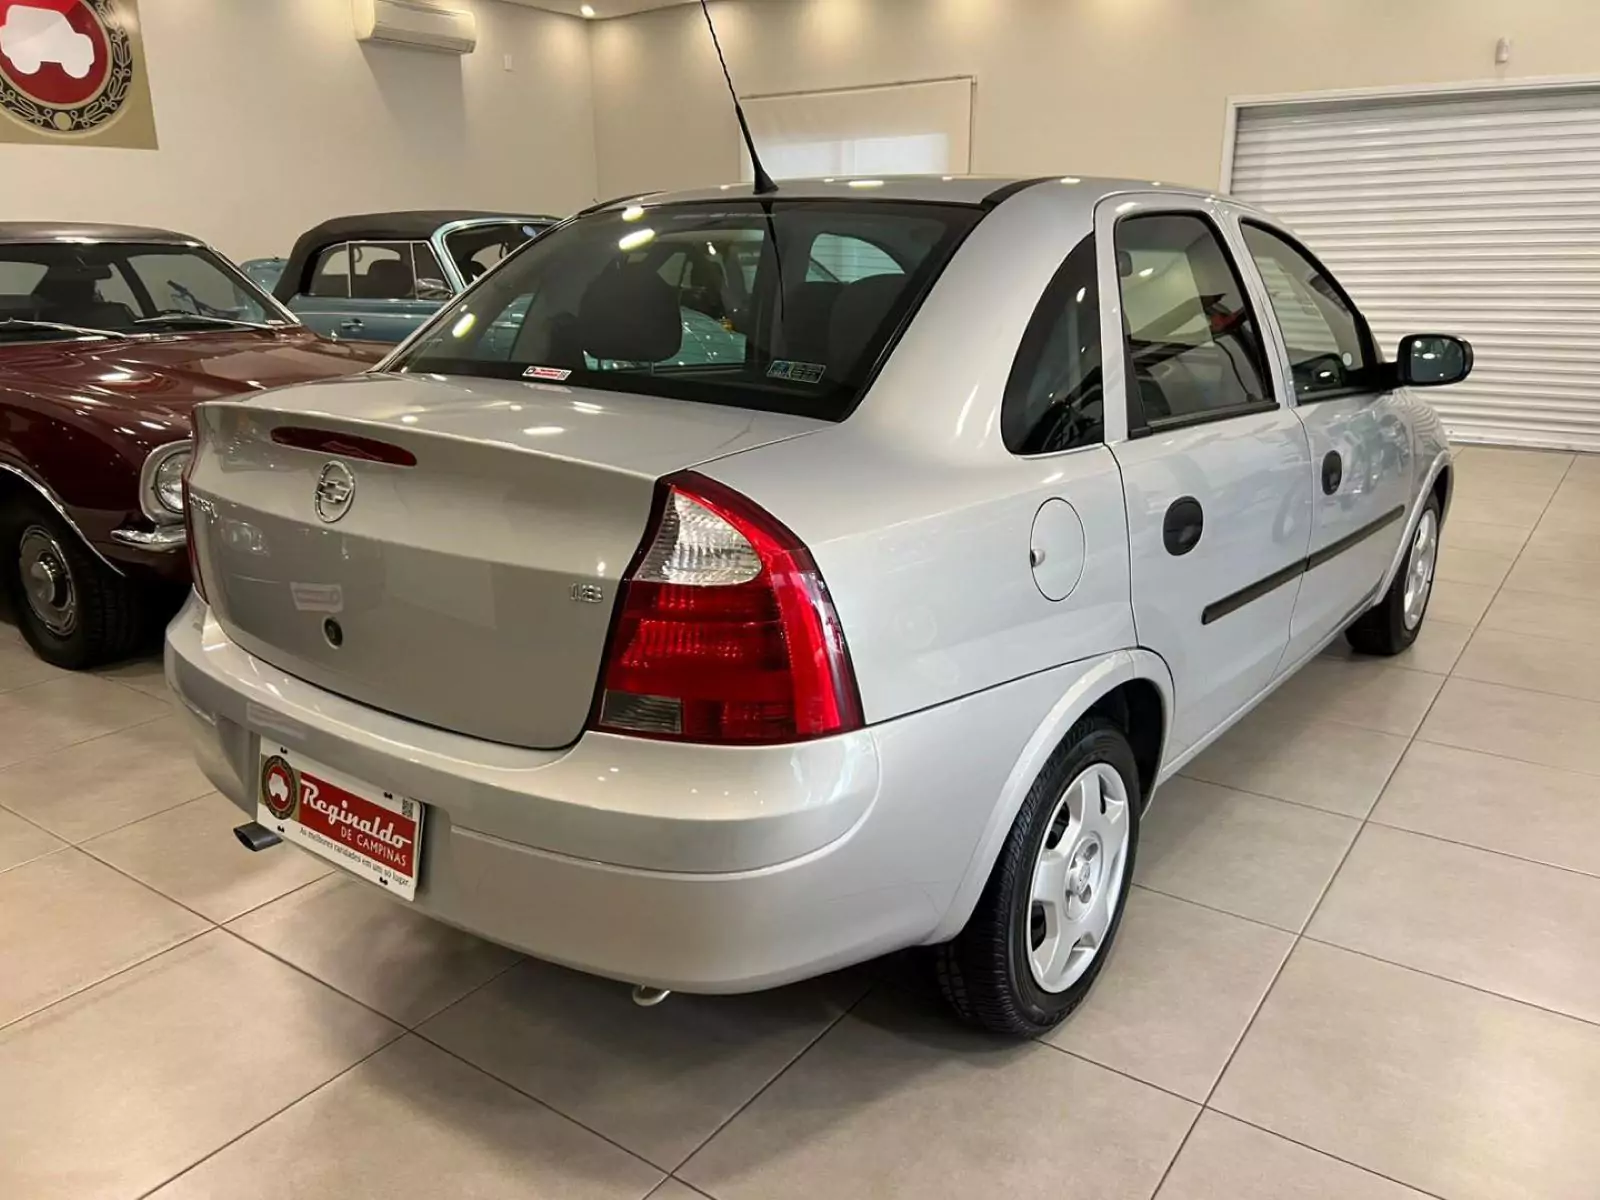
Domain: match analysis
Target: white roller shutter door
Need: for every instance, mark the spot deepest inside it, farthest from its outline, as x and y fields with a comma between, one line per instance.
x=1475, y=216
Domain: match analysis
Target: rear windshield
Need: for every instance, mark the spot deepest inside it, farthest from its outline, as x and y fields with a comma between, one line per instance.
x=784, y=306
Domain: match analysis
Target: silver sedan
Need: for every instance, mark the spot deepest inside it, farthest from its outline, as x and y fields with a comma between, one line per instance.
x=729, y=588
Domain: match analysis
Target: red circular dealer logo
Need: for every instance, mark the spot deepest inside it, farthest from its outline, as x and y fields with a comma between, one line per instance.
x=280, y=787
x=66, y=66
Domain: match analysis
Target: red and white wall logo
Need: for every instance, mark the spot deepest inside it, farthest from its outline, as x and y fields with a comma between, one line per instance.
x=69, y=67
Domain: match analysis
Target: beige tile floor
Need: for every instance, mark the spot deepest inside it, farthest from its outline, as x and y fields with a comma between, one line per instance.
x=1360, y=964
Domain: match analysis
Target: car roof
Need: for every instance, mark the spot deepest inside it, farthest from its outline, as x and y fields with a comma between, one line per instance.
x=984, y=190
x=418, y=223
x=414, y=225
x=70, y=231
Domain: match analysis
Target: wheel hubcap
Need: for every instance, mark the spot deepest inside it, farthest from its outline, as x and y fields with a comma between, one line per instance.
x=1077, y=878
x=1419, y=568
x=47, y=581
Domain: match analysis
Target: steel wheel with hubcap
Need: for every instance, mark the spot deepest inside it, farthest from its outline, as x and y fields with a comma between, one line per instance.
x=1045, y=923
x=1392, y=624
x=1077, y=878
x=1419, y=569
x=47, y=581
x=72, y=608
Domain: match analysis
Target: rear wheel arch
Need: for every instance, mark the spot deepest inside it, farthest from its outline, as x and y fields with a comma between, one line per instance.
x=1133, y=689
x=19, y=487
x=1139, y=709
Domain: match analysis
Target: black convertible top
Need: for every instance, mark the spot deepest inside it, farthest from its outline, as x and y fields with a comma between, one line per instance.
x=413, y=226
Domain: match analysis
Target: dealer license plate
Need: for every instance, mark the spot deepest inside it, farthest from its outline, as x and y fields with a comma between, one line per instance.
x=373, y=833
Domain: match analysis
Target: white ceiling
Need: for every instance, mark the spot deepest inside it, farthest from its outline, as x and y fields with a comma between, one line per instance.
x=602, y=8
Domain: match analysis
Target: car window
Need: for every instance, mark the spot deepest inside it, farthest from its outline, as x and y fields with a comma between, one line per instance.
x=382, y=271
x=431, y=281
x=1053, y=399
x=127, y=286
x=650, y=300
x=1194, y=350
x=1329, y=349
x=116, y=288
x=180, y=282
x=479, y=246
x=332, y=274
x=19, y=278
x=842, y=259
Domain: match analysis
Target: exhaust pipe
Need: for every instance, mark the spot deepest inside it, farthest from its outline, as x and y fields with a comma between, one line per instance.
x=255, y=836
x=649, y=997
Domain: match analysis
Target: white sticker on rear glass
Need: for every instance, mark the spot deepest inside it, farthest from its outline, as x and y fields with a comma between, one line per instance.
x=556, y=373
x=796, y=372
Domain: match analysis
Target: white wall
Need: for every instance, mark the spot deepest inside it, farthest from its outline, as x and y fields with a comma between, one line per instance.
x=1116, y=87
x=271, y=117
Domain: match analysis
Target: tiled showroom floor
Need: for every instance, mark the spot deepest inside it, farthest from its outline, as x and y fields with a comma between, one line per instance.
x=1361, y=964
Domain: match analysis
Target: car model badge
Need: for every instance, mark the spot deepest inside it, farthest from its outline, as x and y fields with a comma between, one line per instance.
x=280, y=787
x=336, y=492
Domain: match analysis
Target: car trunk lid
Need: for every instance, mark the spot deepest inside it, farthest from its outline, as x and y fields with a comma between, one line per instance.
x=472, y=590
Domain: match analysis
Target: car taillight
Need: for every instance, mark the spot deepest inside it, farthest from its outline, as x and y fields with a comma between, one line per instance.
x=725, y=631
x=188, y=519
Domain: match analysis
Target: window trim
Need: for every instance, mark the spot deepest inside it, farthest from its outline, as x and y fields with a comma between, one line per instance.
x=1013, y=388
x=1369, y=344
x=310, y=292
x=1139, y=426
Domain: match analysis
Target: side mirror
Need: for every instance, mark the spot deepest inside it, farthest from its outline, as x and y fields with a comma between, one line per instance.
x=1433, y=360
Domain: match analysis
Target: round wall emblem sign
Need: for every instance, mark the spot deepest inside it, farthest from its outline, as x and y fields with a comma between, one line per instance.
x=280, y=787
x=66, y=66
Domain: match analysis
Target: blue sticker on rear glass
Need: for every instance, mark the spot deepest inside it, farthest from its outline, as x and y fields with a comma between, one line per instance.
x=796, y=372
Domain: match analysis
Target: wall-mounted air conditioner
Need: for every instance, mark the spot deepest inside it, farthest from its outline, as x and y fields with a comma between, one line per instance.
x=415, y=23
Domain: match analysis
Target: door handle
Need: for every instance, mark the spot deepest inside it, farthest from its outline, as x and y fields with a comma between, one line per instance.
x=1332, y=472
x=353, y=325
x=1184, y=523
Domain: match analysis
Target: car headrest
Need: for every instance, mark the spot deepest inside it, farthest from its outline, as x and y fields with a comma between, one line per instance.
x=860, y=309
x=388, y=279
x=630, y=314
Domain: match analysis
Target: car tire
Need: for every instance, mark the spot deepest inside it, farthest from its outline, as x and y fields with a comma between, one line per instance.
x=993, y=973
x=84, y=614
x=1392, y=624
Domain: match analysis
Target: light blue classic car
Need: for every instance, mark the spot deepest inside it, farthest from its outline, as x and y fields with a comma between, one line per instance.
x=378, y=276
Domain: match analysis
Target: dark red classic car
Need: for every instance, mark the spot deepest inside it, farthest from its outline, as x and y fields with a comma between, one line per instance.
x=108, y=337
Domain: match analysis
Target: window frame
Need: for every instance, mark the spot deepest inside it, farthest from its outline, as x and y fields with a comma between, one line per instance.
x=327, y=252
x=1036, y=335
x=1369, y=344
x=1138, y=425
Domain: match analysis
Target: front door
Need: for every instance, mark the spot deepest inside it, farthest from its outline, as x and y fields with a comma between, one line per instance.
x=1359, y=443
x=1216, y=472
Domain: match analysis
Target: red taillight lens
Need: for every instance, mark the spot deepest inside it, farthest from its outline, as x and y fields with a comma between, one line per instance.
x=725, y=630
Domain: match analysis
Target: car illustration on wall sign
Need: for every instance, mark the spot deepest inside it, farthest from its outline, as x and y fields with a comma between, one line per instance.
x=30, y=37
x=878, y=630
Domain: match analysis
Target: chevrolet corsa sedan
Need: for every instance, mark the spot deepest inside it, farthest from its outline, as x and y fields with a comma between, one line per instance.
x=878, y=628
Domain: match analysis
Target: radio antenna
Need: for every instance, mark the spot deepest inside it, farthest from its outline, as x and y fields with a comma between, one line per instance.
x=764, y=184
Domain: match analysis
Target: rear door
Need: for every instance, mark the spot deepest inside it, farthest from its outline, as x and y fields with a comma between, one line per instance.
x=1216, y=472
x=1359, y=441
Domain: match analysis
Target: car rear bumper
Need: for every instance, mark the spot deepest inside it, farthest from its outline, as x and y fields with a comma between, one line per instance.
x=695, y=868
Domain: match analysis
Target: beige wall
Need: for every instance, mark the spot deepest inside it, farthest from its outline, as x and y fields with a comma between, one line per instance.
x=1118, y=87
x=272, y=117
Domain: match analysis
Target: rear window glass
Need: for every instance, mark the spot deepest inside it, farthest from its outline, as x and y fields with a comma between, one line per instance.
x=784, y=306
